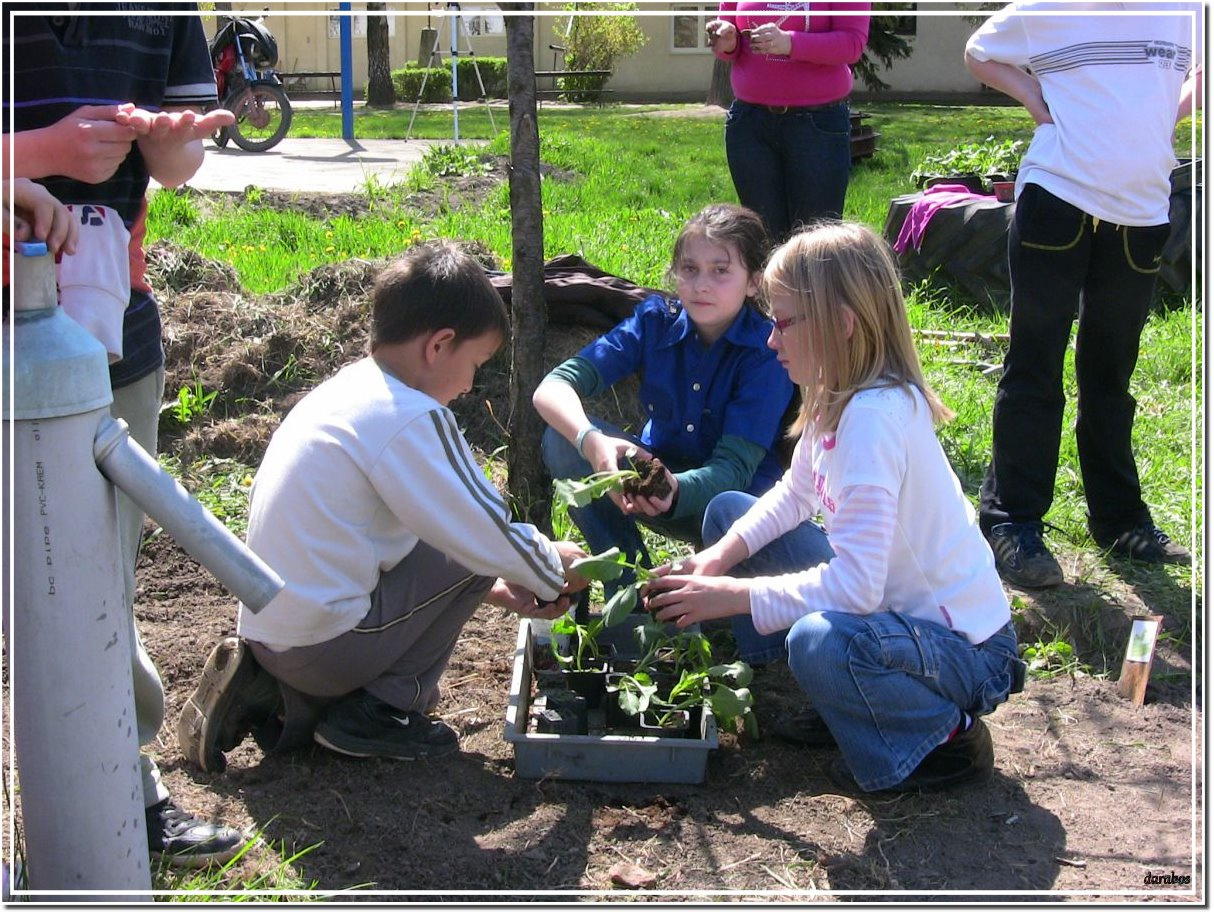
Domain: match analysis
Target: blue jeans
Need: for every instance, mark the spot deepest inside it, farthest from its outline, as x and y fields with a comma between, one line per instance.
x=603, y=524
x=796, y=550
x=890, y=687
x=790, y=168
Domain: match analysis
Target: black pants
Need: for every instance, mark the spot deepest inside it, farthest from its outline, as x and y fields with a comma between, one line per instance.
x=1064, y=261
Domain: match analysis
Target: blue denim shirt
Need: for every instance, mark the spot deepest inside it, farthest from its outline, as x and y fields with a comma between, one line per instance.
x=692, y=394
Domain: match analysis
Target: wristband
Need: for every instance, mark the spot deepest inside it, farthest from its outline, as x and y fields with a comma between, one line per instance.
x=581, y=438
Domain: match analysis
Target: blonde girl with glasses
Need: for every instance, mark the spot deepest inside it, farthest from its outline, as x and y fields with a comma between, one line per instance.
x=890, y=613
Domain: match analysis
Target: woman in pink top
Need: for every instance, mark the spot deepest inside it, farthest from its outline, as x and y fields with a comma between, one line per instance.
x=788, y=132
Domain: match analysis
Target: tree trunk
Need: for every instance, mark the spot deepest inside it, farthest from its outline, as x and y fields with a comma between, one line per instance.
x=380, y=91
x=527, y=481
x=720, y=90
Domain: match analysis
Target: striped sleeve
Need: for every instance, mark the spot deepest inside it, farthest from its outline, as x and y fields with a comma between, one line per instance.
x=854, y=581
x=191, y=79
x=429, y=479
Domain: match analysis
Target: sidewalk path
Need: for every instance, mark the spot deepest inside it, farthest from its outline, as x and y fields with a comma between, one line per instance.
x=311, y=165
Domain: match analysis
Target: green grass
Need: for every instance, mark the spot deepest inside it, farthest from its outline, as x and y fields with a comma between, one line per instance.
x=627, y=180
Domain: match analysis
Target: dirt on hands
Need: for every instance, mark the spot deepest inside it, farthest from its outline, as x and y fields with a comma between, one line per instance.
x=652, y=482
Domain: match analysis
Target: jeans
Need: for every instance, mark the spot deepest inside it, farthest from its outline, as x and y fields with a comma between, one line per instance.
x=802, y=548
x=890, y=687
x=1062, y=260
x=603, y=524
x=790, y=168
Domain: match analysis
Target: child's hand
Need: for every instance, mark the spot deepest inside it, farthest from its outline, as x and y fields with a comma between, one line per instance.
x=705, y=562
x=173, y=127
x=89, y=144
x=722, y=36
x=518, y=599
x=606, y=455
x=651, y=507
x=39, y=216
x=686, y=599
x=570, y=553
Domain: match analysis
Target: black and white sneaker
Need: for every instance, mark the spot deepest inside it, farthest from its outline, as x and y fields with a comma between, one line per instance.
x=1021, y=556
x=1146, y=543
x=179, y=839
x=363, y=726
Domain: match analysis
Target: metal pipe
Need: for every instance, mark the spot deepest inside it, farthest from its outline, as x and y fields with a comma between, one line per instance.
x=195, y=529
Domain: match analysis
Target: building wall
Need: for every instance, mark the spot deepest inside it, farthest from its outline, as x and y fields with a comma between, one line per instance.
x=674, y=65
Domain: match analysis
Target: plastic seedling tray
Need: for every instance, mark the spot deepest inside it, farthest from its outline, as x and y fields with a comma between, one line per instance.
x=597, y=757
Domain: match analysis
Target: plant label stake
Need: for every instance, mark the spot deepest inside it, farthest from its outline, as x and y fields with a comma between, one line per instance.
x=1139, y=653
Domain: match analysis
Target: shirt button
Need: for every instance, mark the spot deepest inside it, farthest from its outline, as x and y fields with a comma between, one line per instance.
x=690, y=427
x=695, y=386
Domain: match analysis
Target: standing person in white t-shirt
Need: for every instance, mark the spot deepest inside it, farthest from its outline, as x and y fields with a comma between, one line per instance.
x=895, y=622
x=1106, y=86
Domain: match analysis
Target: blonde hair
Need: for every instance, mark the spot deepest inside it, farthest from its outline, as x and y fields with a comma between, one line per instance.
x=831, y=269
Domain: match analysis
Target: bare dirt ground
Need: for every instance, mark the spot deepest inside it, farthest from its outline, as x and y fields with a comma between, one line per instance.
x=1092, y=798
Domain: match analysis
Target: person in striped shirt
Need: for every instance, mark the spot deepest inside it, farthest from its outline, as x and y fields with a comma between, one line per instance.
x=101, y=102
x=370, y=506
x=892, y=616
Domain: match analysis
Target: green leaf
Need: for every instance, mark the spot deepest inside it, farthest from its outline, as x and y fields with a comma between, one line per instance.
x=606, y=566
x=739, y=672
x=728, y=704
x=620, y=605
x=577, y=493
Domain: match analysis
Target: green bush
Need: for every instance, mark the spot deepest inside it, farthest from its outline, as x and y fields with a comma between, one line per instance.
x=408, y=82
x=595, y=43
x=493, y=74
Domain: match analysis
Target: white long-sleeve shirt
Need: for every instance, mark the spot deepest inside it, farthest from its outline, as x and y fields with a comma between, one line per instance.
x=360, y=470
x=905, y=536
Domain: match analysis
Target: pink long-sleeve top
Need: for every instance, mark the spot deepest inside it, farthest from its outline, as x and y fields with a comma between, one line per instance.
x=824, y=46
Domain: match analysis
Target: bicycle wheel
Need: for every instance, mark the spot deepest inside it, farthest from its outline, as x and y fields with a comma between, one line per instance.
x=263, y=117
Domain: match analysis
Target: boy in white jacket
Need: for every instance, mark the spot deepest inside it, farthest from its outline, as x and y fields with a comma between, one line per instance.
x=370, y=506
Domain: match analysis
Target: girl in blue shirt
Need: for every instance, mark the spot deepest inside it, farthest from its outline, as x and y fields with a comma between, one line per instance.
x=712, y=392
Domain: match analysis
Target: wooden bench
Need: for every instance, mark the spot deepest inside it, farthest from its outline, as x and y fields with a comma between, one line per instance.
x=291, y=82
x=557, y=91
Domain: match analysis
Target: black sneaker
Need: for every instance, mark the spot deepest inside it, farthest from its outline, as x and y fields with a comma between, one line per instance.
x=179, y=839
x=966, y=758
x=804, y=728
x=1021, y=557
x=1146, y=543
x=363, y=726
x=234, y=698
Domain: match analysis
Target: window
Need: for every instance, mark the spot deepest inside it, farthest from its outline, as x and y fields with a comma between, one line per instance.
x=484, y=23
x=904, y=26
x=358, y=26
x=687, y=27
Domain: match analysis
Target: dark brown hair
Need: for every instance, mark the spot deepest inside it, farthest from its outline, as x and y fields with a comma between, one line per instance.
x=435, y=286
x=729, y=226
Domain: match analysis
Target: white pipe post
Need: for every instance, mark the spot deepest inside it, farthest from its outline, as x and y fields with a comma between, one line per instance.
x=455, y=69
x=67, y=629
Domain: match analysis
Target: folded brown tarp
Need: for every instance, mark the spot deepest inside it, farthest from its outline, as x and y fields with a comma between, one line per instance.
x=578, y=292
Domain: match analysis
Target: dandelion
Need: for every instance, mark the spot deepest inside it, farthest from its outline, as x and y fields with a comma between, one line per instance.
x=330, y=249
x=247, y=481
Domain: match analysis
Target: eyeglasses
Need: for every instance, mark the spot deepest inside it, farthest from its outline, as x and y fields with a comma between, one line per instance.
x=785, y=322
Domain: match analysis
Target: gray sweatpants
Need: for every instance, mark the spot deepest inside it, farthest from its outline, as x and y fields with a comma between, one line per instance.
x=401, y=647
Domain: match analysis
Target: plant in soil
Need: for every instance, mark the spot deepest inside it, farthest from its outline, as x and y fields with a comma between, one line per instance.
x=675, y=673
